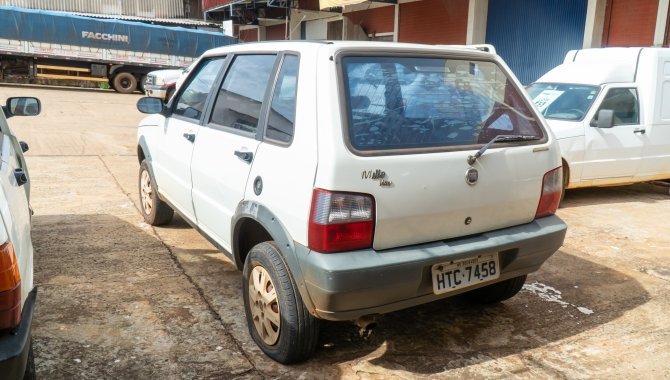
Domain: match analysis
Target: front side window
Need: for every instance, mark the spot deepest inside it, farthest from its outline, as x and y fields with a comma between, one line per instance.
x=238, y=104
x=396, y=103
x=191, y=102
x=282, y=109
x=563, y=101
x=624, y=102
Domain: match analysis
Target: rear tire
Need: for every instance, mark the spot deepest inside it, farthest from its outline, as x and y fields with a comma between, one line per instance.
x=154, y=210
x=497, y=292
x=29, y=374
x=125, y=83
x=277, y=319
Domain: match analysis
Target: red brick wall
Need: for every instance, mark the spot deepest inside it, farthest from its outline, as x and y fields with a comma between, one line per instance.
x=275, y=32
x=433, y=22
x=630, y=22
x=208, y=4
x=377, y=20
x=249, y=35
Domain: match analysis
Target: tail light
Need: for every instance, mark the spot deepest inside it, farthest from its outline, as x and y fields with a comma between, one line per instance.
x=552, y=187
x=10, y=288
x=340, y=221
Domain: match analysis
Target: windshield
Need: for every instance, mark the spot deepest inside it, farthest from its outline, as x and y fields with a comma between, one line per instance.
x=563, y=101
x=409, y=103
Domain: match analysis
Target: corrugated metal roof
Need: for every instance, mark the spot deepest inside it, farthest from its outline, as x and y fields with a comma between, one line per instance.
x=175, y=21
x=138, y=8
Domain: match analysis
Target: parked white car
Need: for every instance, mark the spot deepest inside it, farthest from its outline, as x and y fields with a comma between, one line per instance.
x=610, y=110
x=17, y=295
x=349, y=179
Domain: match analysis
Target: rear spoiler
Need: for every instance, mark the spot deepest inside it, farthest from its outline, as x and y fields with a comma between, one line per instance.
x=488, y=48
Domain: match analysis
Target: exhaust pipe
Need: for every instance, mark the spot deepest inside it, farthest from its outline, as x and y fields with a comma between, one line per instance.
x=365, y=325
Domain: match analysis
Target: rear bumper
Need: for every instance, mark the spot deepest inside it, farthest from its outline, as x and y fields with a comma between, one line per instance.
x=348, y=285
x=14, y=347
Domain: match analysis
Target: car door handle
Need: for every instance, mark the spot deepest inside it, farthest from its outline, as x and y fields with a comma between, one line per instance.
x=641, y=131
x=244, y=156
x=190, y=137
x=21, y=178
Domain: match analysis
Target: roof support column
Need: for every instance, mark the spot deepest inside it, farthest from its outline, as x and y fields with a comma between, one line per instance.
x=595, y=23
x=477, y=13
x=661, y=21
x=396, y=17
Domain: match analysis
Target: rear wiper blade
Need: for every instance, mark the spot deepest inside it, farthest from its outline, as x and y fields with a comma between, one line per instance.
x=500, y=138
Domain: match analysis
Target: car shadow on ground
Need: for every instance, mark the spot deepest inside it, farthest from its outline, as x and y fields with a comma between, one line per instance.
x=73, y=253
x=591, y=196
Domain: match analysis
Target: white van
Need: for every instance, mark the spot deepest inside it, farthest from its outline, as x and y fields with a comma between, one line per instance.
x=610, y=110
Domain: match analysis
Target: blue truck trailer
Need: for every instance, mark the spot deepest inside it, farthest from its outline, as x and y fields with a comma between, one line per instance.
x=61, y=46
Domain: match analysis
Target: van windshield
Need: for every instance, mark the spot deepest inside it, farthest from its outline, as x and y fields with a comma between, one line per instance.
x=415, y=103
x=563, y=101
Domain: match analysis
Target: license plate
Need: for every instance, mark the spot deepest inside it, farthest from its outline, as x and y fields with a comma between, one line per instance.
x=458, y=274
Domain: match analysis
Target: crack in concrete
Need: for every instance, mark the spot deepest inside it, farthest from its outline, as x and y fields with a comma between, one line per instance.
x=198, y=289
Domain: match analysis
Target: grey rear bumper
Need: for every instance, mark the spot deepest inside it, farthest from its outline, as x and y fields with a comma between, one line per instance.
x=348, y=285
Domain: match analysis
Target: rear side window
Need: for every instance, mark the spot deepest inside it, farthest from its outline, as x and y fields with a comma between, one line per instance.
x=282, y=109
x=397, y=103
x=238, y=104
x=191, y=101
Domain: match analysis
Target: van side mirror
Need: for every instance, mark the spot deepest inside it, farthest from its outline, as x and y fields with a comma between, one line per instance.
x=605, y=119
x=150, y=105
x=22, y=106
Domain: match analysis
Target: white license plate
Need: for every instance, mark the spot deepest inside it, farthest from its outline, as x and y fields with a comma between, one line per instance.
x=458, y=274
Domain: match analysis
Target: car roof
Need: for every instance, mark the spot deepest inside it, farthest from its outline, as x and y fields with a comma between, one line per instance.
x=335, y=46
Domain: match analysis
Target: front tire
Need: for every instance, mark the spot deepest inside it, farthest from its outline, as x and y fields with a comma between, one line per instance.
x=497, y=292
x=154, y=210
x=277, y=318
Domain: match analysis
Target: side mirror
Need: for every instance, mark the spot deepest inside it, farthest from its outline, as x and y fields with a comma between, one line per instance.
x=23, y=106
x=24, y=146
x=150, y=105
x=605, y=119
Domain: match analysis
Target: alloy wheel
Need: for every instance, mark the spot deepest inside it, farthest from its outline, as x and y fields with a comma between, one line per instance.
x=264, y=305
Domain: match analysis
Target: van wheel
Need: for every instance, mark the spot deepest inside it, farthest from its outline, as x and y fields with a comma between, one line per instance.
x=566, y=180
x=497, y=292
x=277, y=319
x=154, y=210
x=125, y=83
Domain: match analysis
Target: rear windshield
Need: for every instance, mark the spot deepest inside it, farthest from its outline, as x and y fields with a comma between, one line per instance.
x=414, y=103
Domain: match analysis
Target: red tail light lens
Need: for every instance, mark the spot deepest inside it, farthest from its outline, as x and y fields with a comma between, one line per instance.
x=10, y=288
x=552, y=187
x=340, y=221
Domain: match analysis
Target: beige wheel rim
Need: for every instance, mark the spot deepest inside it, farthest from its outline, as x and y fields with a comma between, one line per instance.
x=264, y=305
x=146, y=192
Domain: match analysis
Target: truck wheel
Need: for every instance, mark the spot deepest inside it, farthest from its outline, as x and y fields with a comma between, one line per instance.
x=154, y=210
x=125, y=83
x=497, y=292
x=142, y=84
x=277, y=319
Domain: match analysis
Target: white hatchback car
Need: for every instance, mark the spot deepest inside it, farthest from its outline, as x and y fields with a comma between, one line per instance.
x=17, y=295
x=348, y=179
